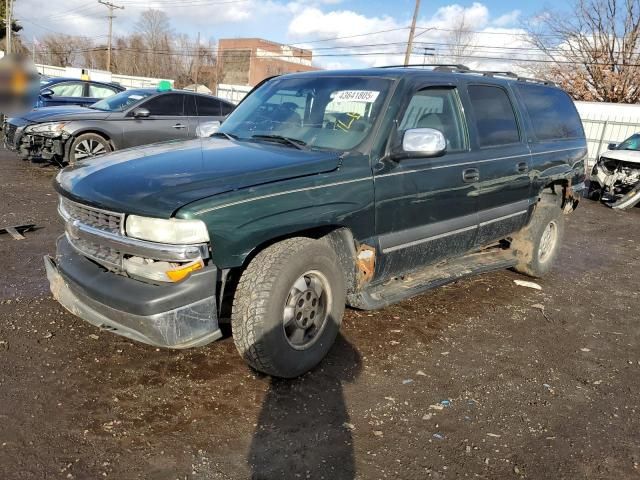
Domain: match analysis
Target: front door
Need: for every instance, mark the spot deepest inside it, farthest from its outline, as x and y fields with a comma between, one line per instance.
x=166, y=121
x=504, y=160
x=65, y=94
x=426, y=207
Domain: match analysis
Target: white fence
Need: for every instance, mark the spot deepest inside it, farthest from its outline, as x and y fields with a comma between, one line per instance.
x=233, y=93
x=606, y=123
x=127, y=81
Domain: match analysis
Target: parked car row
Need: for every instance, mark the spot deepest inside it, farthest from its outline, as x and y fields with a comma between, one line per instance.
x=71, y=133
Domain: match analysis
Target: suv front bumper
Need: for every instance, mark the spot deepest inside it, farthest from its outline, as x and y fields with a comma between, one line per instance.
x=180, y=315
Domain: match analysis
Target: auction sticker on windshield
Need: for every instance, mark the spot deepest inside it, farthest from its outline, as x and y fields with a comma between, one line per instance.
x=367, y=96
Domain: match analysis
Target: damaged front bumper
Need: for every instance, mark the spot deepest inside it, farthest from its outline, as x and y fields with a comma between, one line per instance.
x=43, y=147
x=616, y=183
x=181, y=315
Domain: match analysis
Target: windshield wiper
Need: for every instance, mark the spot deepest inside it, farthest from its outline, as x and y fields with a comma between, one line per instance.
x=294, y=142
x=228, y=136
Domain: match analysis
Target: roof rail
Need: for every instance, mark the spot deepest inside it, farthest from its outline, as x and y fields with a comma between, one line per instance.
x=516, y=77
x=458, y=68
x=434, y=65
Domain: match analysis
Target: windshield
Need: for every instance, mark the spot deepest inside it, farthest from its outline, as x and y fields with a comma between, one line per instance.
x=323, y=112
x=121, y=101
x=631, y=143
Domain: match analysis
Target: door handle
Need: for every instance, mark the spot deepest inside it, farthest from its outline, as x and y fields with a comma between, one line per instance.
x=470, y=175
x=522, y=167
x=179, y=125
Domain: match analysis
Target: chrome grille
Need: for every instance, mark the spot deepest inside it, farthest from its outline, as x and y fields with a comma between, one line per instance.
x=106, y=256
x=94, y=217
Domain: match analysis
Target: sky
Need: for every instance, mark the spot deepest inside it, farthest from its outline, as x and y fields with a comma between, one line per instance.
x=309, y=23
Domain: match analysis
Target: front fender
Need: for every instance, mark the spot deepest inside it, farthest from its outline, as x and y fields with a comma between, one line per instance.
x=241, y=221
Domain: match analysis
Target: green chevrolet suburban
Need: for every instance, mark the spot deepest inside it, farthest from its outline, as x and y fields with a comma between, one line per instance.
x=322, y=189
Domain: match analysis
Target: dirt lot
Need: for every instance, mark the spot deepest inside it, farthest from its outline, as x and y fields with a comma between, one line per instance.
x=540, y=384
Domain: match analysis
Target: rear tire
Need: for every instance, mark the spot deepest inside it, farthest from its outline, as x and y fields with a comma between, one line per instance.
x=536, y=246
x=288, y=307
x=86, y=146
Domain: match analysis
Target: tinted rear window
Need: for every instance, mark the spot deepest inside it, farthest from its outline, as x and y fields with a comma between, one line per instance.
x=169, y=104
x=493, y=112
x=227, y=108
x=552, y=113
x=208, y=107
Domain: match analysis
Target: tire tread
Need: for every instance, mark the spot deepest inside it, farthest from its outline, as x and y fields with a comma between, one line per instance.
x=249, y=303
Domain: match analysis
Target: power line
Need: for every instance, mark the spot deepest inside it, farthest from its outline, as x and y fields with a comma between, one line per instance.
x=360, y=54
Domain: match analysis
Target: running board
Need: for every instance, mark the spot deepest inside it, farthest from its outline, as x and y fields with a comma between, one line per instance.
x=433, y=276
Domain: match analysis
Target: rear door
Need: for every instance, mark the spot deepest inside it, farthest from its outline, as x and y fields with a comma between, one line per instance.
x=557, y=136
x=503, y=158
x=166, y=121
x=98, y=91
x=425, y=208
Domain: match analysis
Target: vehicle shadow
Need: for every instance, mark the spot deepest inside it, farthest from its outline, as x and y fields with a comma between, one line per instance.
x=303, y=430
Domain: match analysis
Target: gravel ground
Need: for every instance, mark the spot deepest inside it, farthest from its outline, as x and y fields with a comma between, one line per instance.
x=482, y=378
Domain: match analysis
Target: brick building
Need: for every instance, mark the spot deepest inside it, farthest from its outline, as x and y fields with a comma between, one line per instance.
x=247, y=61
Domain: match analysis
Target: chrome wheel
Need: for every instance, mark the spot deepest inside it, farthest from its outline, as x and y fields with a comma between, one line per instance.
x=88, y=148
x=306, y=309
x=548, y=241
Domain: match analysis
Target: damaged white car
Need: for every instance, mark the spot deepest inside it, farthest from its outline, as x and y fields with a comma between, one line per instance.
x=615, y=179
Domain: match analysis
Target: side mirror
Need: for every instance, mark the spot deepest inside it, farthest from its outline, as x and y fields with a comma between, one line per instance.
x=141, y=113
x=612, y=146
x=422, y=142
x=47, y=92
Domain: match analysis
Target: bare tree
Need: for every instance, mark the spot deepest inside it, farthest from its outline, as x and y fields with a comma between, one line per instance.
x=462, y=40
x=153, y=50
x=594, y=51
x=63, y=50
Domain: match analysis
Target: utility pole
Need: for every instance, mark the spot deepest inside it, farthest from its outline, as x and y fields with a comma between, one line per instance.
x=197, y=62
x=111, y=16
x=8, y=14
x=407, y=55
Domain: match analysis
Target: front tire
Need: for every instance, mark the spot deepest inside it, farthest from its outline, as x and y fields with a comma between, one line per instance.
x=86, y=146
x=536, y=246
x=288, y=307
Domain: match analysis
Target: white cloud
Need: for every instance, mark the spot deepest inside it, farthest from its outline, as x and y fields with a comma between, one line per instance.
x=507, y=19
x=312, y=21
x=477, y=16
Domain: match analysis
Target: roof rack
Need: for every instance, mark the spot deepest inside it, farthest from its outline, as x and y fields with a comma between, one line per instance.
x=435, y=66
x=458, y=68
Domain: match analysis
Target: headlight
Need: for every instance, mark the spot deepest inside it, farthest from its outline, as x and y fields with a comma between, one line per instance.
x=174, y=231
x=50, y=128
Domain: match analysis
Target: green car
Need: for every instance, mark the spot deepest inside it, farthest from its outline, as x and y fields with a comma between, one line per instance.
x=322, y=189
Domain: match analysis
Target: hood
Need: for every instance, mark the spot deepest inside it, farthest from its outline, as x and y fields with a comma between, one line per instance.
x=157, y=180
x=632, y=156
x=58, y=114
